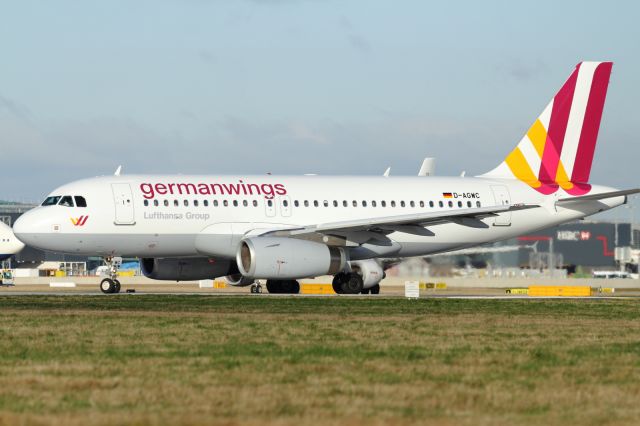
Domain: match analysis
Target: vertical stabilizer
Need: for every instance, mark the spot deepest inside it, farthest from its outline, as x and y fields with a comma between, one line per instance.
x=557, y=151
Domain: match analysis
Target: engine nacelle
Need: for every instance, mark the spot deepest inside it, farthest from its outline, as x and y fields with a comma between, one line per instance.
x=238, y=280
x=370, y=271
x=287, y=258
x=186, y=269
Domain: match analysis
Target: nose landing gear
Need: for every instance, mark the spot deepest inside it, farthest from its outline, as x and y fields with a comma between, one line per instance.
x=111, y=285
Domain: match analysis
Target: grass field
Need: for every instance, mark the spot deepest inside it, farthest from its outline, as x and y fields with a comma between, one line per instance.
x=254, y=360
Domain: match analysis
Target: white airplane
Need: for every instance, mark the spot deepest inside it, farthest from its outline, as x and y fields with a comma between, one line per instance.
x=9, y=244
x=283, y=228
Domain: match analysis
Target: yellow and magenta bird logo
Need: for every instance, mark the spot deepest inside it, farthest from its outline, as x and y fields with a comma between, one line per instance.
x=80, y=221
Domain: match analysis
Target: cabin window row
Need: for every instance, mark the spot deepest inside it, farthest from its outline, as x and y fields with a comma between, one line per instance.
x=307, y=203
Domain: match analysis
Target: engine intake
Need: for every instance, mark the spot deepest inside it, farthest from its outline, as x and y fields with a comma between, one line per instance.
x=287, y=258
x=186, y=269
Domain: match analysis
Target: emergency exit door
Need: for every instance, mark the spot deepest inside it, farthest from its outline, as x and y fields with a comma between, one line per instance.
x=123, y=199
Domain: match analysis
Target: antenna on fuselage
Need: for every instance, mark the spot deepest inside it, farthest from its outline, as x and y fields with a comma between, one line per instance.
x=118, y=170
x=386, y=172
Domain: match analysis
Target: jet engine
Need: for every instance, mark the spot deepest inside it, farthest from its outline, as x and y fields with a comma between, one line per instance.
x=186, y=269
x=280, y=258
x=370, y=271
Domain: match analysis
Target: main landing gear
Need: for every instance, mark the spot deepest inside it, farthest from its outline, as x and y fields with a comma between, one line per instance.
x=283, y=286
x=111, y=285
x=352, y=283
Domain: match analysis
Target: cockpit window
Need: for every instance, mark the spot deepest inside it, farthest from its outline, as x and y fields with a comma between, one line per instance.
x=66, y=201
x=80, y=201
x=51, y=201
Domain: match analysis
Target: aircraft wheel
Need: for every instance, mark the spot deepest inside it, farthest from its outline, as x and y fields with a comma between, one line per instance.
x=293, y=287
x=337, y=282
x=274, y=286
x=116, y=286
x=353, y=284
x=375, y=289
x=107, y=286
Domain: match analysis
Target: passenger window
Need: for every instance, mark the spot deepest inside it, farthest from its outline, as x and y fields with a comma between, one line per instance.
x=468, y=203
x=440, y=203
x=373, y=203
x=146, y=203
x=296, y=203
x=459, y=203
x=235, y=203
x=325, y=203
x=215, y=203
x=206, y=203
x=421, y=203
x=355, y=203
x=393, y=203
x=176, y=203
x=450, y=203
x=225, y=203
x=344, y=203
x=335, y=203
x=431, y=204
x=166, y=203
x=306, y=203
x=195, y=203
x=412, y=204
x=478, y=204
x=186, y=203
x=315, y=203
x=285, y=203
x=255, y=203
x=270, y=203
x=51, y=201
x=66, y=201
x=80, y=201
x=364, y=203
x=155, y=203
x=245, y=203
x=401, y=203
x=383, y=203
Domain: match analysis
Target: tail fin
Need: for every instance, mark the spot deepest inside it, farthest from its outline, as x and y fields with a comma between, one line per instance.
x=557, y=151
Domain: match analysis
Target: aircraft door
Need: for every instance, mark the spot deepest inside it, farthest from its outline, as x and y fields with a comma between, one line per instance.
x=285, y=206
x=123, y=200
x=502, y=198
x=270, y=207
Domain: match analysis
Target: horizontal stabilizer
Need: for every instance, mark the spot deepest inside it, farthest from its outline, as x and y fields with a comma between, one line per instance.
x=600, y=196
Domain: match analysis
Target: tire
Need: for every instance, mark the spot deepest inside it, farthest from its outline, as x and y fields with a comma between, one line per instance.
x=353, y=284
x=375, y=289
x=365, y=291
x=274, y=287
x=338, y=281
x=116, y=286
x=295, y=287
x=107, y=286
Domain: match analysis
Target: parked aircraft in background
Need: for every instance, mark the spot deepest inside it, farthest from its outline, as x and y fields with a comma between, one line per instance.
x=283, y=228
x=9, y=244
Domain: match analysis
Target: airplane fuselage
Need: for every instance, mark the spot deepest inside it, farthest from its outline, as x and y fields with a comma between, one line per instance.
x=163, y=216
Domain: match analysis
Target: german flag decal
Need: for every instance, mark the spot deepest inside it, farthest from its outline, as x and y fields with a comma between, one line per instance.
x=447, y=195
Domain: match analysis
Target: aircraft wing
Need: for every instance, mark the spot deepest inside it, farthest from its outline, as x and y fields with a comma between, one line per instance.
x=408, y=222
x=600, y=196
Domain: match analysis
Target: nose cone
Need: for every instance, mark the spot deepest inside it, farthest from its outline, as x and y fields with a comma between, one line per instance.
x=30, y=227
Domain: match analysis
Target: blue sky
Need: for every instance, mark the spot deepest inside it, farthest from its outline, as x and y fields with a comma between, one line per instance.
x=329, y=87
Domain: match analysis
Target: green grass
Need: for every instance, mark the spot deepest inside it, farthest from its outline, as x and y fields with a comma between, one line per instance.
x=145, y=359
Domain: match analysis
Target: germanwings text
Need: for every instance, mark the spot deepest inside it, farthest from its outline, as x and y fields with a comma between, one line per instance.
x=151, y=190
